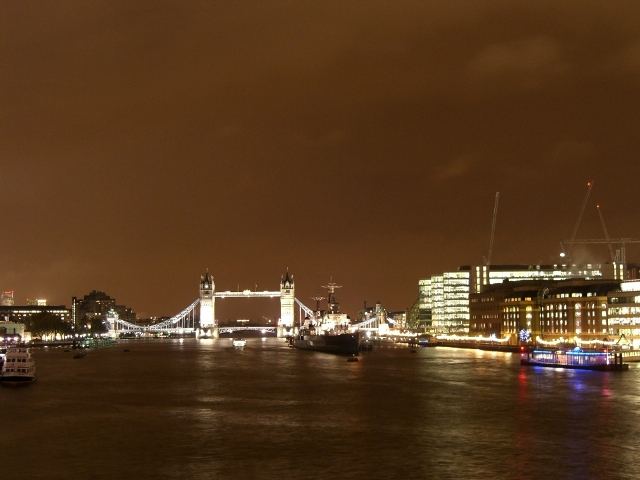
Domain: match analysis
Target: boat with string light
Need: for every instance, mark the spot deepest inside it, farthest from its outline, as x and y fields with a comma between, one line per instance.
x=18, y=367
x=576, y=359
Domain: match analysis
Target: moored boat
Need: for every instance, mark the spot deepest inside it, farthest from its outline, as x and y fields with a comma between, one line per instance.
x=328, y=331
x=575, y=359
x=341, y=343
x=18, y=368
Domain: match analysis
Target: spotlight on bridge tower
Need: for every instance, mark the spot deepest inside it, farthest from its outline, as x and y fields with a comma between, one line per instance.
x=208, y=327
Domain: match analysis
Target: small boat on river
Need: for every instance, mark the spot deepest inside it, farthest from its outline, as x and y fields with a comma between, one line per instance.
x=239, y=342
x=18, y=367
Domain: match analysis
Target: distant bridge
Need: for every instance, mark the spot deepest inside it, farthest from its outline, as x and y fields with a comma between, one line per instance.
x=191, y=319
x=223, y=330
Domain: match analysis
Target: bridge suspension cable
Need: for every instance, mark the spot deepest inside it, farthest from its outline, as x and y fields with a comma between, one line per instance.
x=183, y=320
x=305, y=309
x=176, y=319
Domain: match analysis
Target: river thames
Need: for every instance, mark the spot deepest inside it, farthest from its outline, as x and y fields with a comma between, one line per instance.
x=170, y=409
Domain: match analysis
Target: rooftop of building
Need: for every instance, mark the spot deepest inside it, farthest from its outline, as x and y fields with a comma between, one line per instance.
x=34, y=308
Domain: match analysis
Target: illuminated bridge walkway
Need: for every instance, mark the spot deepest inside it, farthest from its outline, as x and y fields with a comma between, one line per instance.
x=186, y=321
x=199, y=316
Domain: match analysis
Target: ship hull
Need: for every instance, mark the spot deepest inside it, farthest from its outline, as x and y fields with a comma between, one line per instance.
x=16, y=380
x=343, y=344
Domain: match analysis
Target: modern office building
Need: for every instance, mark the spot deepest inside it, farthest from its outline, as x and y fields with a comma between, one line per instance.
x=21, y=313
x=623, y=311
x=424, y=307
x=447, y=294
x=483, y=275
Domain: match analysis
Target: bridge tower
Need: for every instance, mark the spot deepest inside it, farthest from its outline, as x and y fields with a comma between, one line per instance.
x=208, y=326
x=287, y=302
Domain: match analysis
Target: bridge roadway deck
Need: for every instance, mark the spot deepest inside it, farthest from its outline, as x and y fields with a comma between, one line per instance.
x=248, y=294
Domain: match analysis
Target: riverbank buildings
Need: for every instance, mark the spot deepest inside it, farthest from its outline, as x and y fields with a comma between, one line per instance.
x=444, y=299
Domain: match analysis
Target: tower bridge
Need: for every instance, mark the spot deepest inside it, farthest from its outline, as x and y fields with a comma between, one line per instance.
x=199, y=317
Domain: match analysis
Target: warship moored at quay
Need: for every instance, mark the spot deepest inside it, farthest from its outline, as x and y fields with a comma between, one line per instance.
x=328, y=331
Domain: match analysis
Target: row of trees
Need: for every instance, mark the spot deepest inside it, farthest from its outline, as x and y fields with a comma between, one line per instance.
x=47, y=324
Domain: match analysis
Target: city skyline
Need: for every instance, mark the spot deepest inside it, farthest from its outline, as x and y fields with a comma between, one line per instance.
x=141, y=144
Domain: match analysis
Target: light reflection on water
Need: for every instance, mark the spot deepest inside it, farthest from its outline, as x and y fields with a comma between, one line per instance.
x=188, y=409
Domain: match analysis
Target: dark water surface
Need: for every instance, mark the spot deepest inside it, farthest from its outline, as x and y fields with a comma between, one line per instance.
x=189, y=409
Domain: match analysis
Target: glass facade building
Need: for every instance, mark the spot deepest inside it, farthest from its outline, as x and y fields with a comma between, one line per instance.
x=447, y=294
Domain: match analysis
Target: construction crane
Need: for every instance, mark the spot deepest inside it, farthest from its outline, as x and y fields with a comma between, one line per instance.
x=583, y=207
x=606, y=233
x=623, y=242
x=493, y=229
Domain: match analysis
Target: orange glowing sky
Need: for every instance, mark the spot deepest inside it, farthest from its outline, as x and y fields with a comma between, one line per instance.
x=141, y=142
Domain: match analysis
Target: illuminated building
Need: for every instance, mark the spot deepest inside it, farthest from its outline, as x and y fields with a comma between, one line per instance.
x=37, y=301
x=94, y=307
x=483, y=275
x=447, y=294
x=21, y=313
x=576, y=308
x=10, y=330
x=424, y=314
x=6, y=298
x=505, y=309
x=448, y=297
x=545, y=309
x=623, y=311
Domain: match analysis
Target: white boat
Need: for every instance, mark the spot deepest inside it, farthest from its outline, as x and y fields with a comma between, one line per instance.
x=239, y=342
x=18, y=368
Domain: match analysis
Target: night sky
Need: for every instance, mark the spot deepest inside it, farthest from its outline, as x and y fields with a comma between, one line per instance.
x=141, y=142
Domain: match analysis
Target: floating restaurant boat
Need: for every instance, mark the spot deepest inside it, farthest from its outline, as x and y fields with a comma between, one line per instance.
x=18, y=368
x=575, y=359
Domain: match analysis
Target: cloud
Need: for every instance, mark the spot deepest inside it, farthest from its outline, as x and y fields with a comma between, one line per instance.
x=457, y=167
x=628, y=58
x=571, y=152
x=528, y=62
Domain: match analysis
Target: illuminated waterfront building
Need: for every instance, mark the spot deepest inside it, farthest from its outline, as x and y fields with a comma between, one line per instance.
x=447, y=294
x=576, y=308
x=544, y=309
x=444, y=299
x=623, y=311
x=21, y=313
x=425, y=306
x=505, y=309
x=483, y=275
x=94, y=307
